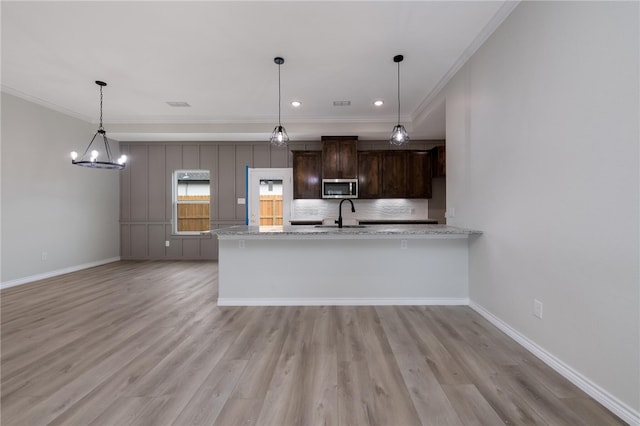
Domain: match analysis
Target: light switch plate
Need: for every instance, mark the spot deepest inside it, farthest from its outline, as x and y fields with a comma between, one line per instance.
x=538, y=308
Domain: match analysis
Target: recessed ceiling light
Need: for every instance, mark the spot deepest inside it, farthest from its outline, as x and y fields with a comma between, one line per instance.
x=177, y=104
x=378, y=103
x=296, y=104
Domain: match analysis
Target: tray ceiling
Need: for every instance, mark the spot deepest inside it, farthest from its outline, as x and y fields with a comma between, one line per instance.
x=218, y=57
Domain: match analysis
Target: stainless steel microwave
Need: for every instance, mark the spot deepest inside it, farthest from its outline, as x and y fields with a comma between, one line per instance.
x=339, y=188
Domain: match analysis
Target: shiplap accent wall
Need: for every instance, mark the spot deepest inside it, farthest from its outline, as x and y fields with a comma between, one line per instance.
x=145, y=193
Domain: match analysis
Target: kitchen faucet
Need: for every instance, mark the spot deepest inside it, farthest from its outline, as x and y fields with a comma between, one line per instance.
x=353, y=210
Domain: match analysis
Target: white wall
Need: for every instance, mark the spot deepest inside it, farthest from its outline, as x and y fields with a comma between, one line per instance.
x=542, y=152
x=48, y=205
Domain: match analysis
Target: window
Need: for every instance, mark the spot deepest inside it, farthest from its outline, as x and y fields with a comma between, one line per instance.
x=191, y=201
x=271, y=202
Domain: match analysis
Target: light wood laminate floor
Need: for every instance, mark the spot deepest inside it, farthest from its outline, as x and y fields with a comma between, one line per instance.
x=145, y=343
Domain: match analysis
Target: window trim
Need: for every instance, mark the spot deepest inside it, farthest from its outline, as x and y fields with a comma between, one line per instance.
x=175, y=202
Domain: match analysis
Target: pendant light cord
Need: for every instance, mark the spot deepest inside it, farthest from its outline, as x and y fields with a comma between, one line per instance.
x=100, y=128
x=398, y=92
x=103, y=133
x=101, y=105
x=279, y=100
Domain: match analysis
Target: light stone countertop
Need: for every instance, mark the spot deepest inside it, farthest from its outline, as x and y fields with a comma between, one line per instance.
x=323, y=232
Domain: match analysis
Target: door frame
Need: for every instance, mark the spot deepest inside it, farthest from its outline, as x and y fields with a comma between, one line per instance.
x=253, y=193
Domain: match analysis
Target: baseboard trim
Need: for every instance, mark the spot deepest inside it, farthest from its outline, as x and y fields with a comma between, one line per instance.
x=51, y=274
x=612, y=403
x=223, y=301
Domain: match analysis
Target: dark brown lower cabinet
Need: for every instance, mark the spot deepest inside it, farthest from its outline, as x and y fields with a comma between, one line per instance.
x=307, y=174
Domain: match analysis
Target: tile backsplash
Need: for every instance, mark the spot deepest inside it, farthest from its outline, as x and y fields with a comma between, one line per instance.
x=396, y=208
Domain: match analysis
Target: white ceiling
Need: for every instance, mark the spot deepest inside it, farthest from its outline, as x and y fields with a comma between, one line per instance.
x=218, y=57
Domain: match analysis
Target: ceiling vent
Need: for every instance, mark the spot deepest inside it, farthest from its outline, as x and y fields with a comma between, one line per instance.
x=341, y=103
x=177, y=104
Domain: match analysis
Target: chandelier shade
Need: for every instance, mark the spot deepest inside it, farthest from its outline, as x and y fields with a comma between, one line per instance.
x=90, y=156
x=399, y=135
x=279, y=135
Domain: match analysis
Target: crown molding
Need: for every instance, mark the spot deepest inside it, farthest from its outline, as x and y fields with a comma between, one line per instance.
x=46, y=104
x=426, y=106
x=174, y=120
x=389, y=119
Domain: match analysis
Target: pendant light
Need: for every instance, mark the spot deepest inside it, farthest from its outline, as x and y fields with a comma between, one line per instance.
x=399, y=135
x=90, y=156
x=279, y=136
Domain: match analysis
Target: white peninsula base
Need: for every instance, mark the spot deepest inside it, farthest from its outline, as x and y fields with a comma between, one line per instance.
x=359, y=266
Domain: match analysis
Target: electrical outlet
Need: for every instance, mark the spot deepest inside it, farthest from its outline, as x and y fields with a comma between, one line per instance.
x=403, y=244
x=538, y=308
x=241, y=244
x=167, y=243
x=44, y=256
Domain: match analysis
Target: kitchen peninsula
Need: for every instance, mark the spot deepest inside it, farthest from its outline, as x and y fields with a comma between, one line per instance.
x=370, y=265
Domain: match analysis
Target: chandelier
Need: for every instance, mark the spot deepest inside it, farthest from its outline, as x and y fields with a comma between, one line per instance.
x=90, y=156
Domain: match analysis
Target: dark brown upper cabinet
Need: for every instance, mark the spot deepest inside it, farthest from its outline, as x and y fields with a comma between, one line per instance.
x=394, y=170
x=394, y=174
x=339, y=157
x=418, y=174
x=438, y=161
x=307, y=178
x=370, y=174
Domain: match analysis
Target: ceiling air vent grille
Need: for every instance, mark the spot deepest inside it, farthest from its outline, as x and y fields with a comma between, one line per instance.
x=341, y=103
x=178, y=104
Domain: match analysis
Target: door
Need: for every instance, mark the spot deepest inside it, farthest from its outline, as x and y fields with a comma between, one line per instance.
x=269, y=197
